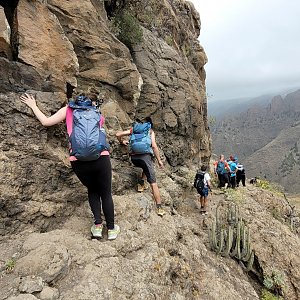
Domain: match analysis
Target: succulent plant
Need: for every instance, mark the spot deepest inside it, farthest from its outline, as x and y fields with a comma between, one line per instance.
x=230, y=236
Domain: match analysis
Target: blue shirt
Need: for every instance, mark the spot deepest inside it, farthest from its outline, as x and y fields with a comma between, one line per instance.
x=233, y=167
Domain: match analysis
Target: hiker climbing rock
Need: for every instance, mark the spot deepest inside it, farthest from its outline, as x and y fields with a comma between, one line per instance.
x=202, y=184
x=142, y=147
x=89, y=155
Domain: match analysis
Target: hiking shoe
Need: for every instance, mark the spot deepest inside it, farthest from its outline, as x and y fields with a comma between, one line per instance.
x=140, y=187
x=96, y=231
x=113, y=233
x=160, y=212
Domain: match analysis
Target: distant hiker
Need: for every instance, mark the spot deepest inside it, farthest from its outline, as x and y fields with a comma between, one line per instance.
x=233, y=169
x=202, y=184
x=91, y=164
x=240, y=175
x=142, y=148
x=221, y=169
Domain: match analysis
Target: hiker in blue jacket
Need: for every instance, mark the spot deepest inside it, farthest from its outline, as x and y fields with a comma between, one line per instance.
x=142, y=148
x=96, y=174
x=233, y=169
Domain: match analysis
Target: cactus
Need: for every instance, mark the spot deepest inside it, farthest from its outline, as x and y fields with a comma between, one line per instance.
x=213, y=238
x=229, y=241
x=232, y=236
x=250, y=261
x=221, y=242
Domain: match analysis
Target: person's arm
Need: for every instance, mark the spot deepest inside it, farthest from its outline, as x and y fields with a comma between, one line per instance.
x=155, y=149
x=215, y=167
x=58, y=117
x=120, y=134
x=236, y=168
x=207, y=178
x=227, y=166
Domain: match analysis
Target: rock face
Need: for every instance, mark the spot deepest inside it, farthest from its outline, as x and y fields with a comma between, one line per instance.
x=46, y=251
x=57, y=46
x=5, y=33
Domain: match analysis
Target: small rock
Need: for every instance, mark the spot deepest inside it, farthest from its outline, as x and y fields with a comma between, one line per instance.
x=49, y=261
x=31, y=284
x=49, y=293
x=23, y=297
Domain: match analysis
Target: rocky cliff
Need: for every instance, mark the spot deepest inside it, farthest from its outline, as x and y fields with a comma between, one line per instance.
x=48, y=48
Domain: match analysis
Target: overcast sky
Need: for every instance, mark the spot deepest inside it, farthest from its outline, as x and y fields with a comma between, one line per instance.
x=253, y=46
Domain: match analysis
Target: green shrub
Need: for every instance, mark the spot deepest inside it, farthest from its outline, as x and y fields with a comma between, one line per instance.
x=10, y=265
x=266, y=295
x=274, y=282
x=169, y=40
x=127, y=29
x=272, y=187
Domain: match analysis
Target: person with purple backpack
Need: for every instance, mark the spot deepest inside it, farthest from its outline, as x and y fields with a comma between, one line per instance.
x=89, y=154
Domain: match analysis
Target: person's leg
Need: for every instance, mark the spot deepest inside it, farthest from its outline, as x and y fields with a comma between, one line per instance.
x=156, y=194
x=138, y=161
x=84, y=172
x=103, y=185
x=95, y=205
x=145, y=162
x=205, y=199
x=238, y=178
x=202, y=202
x=226, y=180
x=233, y=181
x=244, y=180
x=221, y=180
x=144, y=177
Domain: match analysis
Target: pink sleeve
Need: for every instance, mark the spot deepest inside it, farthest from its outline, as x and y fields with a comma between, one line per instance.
x=69, y=120
x=102, y=119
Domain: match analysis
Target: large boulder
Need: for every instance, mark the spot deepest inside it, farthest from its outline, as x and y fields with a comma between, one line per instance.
x=43, y=44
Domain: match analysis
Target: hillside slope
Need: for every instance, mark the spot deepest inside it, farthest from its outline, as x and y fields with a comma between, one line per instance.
x=279, y=160
x=265, y=135
x=155, y=258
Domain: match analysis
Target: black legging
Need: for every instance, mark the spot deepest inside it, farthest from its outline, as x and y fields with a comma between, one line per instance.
x=96, y=176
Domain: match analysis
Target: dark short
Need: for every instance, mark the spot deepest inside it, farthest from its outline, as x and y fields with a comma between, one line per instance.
x=203, y=192
x=145, y=162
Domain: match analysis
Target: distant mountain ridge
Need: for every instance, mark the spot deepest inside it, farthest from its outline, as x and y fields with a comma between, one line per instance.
x=221, y=108
x=265, y=139
x=279, y=160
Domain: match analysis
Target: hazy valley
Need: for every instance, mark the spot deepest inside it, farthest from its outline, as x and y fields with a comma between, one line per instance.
x=265, y=137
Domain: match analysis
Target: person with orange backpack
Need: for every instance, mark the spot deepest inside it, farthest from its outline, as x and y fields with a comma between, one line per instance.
x=89, y=154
